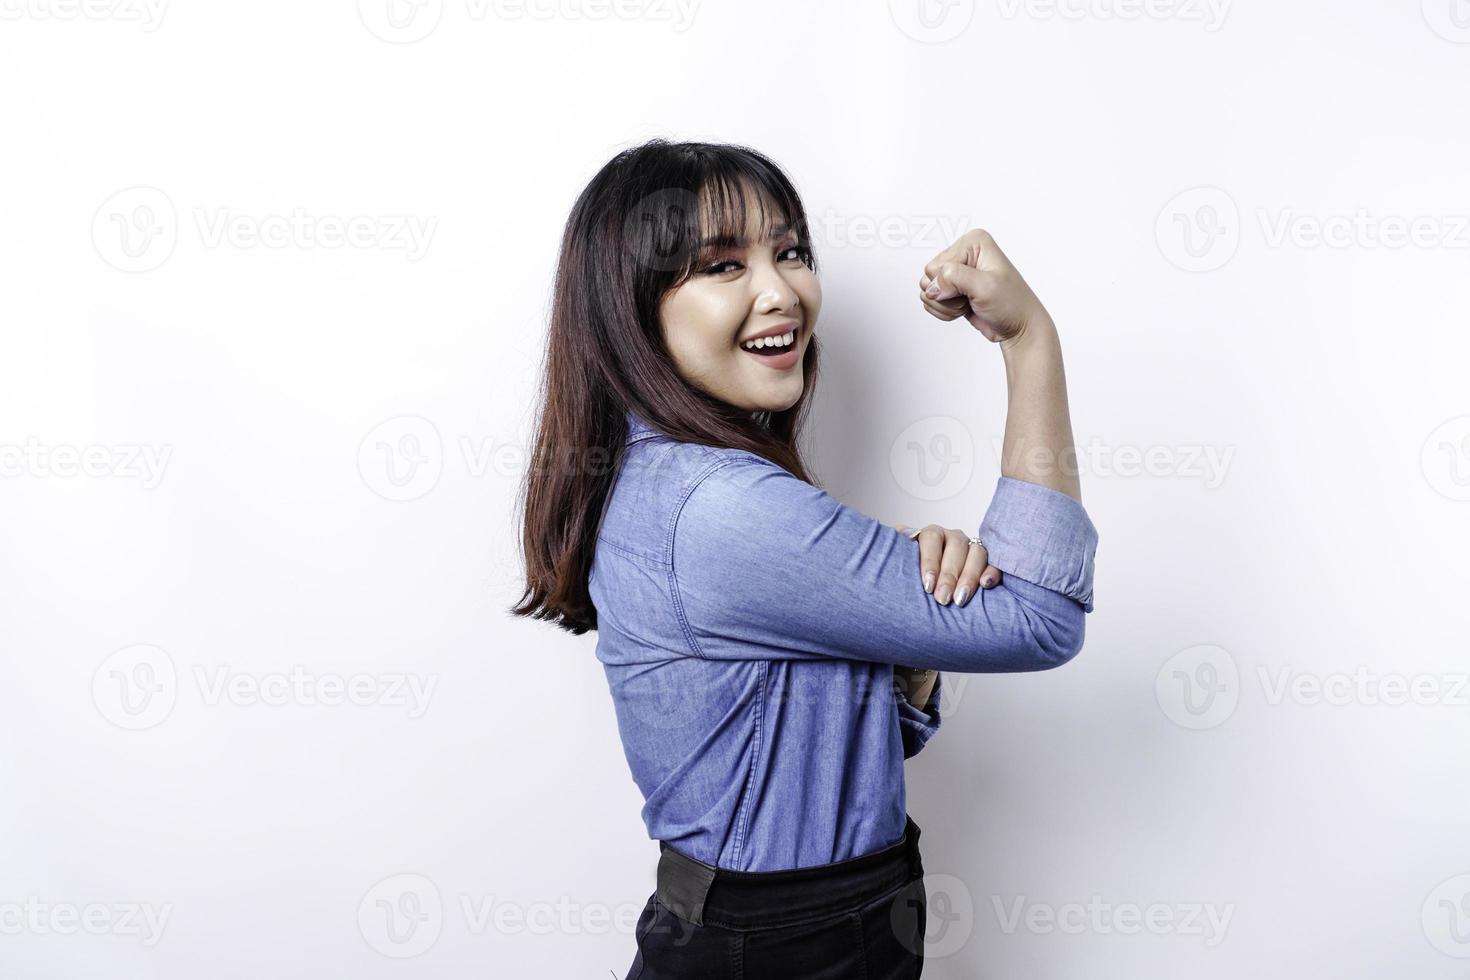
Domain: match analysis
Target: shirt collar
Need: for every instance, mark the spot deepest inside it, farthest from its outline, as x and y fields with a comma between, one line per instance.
x=638, y=428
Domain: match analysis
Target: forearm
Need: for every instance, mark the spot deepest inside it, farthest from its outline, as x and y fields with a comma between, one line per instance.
x=1038, y=437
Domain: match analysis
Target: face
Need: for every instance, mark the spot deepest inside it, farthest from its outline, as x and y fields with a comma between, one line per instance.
x=759, y=286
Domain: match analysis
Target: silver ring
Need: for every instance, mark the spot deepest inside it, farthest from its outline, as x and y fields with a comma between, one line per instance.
x=977, y=541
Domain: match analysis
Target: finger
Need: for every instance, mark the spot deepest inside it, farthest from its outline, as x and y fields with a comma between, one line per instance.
x=906, y=531
x=969, y=581
x=955, y=280
x=947, y=310
x=939, y=312
x=951, y=563
x=931, y=550
x=990, y=578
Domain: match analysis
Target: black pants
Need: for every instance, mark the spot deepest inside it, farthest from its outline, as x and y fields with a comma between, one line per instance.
x=859, y=918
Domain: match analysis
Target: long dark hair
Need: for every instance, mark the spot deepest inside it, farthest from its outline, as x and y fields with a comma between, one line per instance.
x=633, y=235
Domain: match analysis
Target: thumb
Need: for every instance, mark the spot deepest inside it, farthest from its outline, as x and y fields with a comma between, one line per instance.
x=954, y=279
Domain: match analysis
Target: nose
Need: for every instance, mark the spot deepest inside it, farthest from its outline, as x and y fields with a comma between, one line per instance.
x=773, y=289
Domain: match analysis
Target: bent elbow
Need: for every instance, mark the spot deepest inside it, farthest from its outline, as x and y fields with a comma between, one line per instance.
x=1056, y=640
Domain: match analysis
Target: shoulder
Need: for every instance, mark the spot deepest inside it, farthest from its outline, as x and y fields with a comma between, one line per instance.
x=737, y=499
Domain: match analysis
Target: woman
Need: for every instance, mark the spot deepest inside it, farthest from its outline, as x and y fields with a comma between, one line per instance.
x=772, y=653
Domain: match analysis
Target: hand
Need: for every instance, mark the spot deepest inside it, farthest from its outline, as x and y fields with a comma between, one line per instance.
x=950, y=565
x=974, y=278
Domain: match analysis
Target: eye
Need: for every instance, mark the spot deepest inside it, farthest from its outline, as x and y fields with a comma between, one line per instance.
x=803, y=254
x=719, y=267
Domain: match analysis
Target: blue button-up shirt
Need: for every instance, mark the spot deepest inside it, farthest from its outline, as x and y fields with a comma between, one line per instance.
x=748, y=623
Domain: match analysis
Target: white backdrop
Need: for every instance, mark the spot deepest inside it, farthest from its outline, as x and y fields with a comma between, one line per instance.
x=273, y=289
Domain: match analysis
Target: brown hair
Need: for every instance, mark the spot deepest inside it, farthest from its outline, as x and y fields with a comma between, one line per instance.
x=632, y=236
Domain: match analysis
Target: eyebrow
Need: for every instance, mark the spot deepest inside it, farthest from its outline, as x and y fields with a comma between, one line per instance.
x=729, y=241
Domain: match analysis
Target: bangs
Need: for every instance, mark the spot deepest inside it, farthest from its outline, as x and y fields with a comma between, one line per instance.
x=679, y=229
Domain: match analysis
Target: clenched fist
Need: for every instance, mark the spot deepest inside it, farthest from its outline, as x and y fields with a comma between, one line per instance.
x=974, y=279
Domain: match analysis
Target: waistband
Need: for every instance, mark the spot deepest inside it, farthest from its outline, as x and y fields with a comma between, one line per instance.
x=701, y=893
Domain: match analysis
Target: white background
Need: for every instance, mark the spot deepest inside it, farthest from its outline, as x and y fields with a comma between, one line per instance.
x=1241, y=733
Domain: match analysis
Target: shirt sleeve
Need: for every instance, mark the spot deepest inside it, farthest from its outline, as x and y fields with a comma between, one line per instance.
x=764, y=565
x=918, y=726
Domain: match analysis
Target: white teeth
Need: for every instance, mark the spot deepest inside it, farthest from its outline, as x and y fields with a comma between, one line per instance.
x=779, y=341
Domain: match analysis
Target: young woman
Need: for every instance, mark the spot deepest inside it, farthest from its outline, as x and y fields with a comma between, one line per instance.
x=773, y=654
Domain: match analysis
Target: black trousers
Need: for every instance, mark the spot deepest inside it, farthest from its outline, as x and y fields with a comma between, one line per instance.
x=859, y=918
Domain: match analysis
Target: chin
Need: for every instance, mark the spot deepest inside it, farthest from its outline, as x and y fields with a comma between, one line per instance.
x=778, y=402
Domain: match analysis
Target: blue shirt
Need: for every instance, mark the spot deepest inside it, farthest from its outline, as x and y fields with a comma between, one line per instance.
x=748, y=624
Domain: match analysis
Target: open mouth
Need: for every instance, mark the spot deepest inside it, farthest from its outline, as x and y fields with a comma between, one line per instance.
x=772, y=351
x=773, y=346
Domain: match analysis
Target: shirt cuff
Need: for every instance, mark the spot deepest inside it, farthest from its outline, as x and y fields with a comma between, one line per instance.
x=1043, y=536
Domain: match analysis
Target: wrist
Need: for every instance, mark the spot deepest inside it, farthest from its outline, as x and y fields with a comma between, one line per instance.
x=1037, y=330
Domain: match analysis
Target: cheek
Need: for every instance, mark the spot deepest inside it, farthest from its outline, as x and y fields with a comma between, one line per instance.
x=810, y=292
x=701, y=323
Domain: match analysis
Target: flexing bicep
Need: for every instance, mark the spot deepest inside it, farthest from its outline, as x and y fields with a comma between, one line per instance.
x=767, y=566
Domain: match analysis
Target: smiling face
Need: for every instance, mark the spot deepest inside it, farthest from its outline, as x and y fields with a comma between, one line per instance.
x=740, y=290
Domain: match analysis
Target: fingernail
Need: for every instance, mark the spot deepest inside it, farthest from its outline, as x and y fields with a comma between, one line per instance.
x=988, y=581
x=961, y=596
x=928, y=581
x=942, y=595
x=933, y=290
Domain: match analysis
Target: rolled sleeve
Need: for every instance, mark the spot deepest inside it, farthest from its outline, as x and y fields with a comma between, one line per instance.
x=1043, y=536
x=917, y=726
